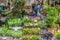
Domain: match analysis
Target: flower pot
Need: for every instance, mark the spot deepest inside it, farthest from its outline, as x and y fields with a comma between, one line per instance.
x=52, y=30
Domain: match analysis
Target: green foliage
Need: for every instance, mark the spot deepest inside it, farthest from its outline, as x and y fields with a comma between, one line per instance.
x=46, y=6
x=23, y=13
x=25, y=38
x=58, y=21
x=43, y=25
x=58, y=35
x=35, y=38
x=31, y=22
x=32, y=38
x=51, y=18
x=16, y=3
x=4, y=31
x=16, y=34
x=58, y=7
x=52, y=11
x=15, y=11
x=32, y=32
x=4, y=11
x=14, y=22
x=25, y=18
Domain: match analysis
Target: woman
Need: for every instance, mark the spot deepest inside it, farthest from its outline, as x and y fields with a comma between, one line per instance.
x=37, y=8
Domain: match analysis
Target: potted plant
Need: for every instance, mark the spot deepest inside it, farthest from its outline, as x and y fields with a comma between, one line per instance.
x=51, y=18
x=52, y=21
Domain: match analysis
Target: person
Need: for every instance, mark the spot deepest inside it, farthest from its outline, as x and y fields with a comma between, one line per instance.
x=37, y=8
x=1, y=10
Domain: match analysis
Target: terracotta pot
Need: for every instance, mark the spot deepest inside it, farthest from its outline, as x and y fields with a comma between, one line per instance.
x=51, y=30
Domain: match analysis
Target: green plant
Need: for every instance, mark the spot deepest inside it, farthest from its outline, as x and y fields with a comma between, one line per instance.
x=43, y=25
x=58, y=21
x=17, y=3
x=25, y=38
x=51, y=11
x=29, y=32
x=31, y=38
x=36, y=32
x=14, y=22
x=4, y=31
x=18, y=6
x=35, y=22
x=51, y=18
x=16, y=34
x=32, y=32
x=35, y=38
x=58, y=35
x=46, y=6
x=4, y=11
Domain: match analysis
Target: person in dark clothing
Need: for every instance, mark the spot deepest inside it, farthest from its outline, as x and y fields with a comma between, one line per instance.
x=37, y=8
x=1, y=10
